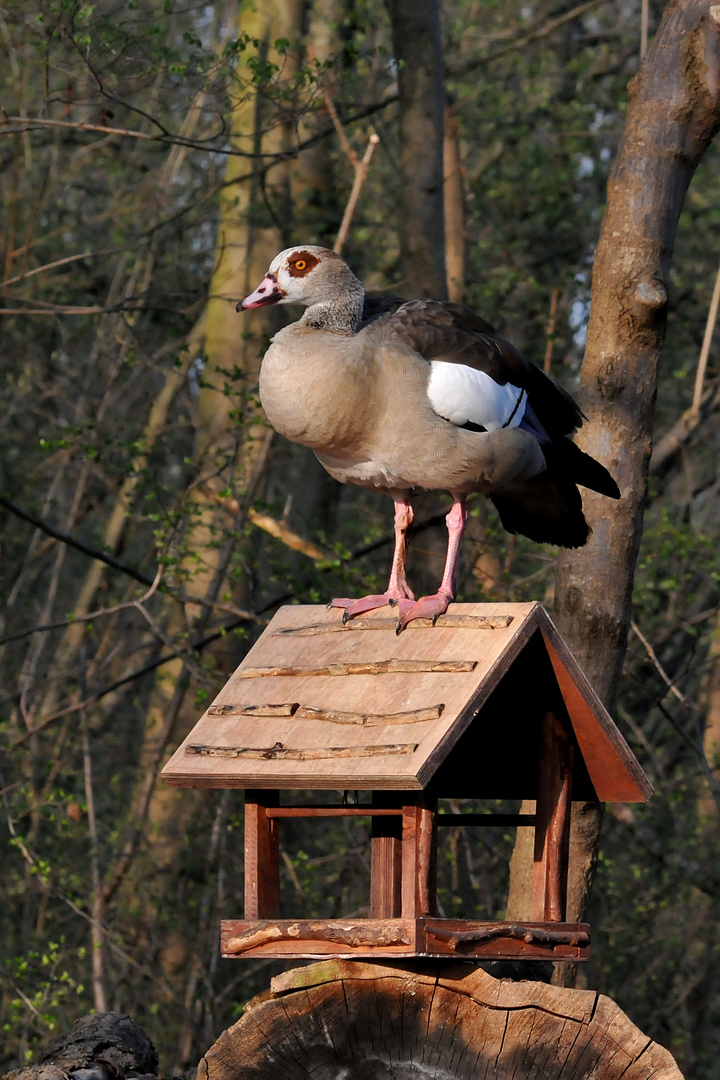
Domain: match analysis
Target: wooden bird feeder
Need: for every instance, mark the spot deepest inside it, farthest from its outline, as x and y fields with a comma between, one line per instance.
x=487, y=704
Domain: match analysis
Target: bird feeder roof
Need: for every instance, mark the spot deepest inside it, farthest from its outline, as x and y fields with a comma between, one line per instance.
x=316, y=704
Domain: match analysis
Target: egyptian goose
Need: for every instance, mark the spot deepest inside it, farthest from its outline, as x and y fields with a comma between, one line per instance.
x=425, y=395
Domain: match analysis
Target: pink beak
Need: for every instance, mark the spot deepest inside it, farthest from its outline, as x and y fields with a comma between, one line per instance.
x=267, y=292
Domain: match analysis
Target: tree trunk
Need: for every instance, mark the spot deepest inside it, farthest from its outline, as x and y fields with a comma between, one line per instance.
x=454, y=210
x=417, y=45
x=370, y=1022
x=673, y=114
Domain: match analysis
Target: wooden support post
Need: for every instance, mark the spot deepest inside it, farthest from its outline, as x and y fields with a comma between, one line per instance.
x=419, y=848
x=385, y=861
x=552, y=825
x=262, y=856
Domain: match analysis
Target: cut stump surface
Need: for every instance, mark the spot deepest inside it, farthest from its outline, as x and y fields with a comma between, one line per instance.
x=345, y=1020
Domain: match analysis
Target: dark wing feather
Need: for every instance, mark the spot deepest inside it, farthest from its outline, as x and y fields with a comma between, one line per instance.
x=454, y=334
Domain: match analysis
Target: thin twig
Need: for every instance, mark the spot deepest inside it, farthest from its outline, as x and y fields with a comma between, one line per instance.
x=32, y=122
x=195, y=646
x=344, y=141
x=660, y=669
x=526, y=39
x=705, y=350
x=96, y=937
x=697, y=743
x=360, y=167
x=550, y=330
x=73, y=542
x=179, y=595
x=361, y=170
x=644, y=24
x=58, y=262
x=680, y=432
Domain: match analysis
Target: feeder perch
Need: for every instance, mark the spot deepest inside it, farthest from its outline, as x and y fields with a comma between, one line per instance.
x=487, y=704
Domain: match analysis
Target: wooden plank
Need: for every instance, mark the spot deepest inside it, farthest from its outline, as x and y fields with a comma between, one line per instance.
x=419, y=852
x=262, y=862
x=385, y=863
x=316, y=937
x=552, y=826
x=286, y=753
x=340, y=932
x=614, y=770
x=368, y=667
x=466, y=622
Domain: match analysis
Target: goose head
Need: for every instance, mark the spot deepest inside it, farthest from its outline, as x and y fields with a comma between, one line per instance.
x=317, y=278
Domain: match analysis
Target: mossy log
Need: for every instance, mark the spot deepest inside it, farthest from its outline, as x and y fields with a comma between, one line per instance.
x=347, y=1020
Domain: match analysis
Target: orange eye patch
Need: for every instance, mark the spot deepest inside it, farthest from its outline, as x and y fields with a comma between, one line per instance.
x=302, y=263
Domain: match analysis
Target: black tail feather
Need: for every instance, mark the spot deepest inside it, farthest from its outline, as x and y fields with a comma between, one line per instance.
x=568, y=460
x=545, y=512
x=548, y=507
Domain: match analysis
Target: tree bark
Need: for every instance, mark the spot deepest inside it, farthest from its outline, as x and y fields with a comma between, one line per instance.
x=673, y=114
x=417, y=45
x=108, y=1045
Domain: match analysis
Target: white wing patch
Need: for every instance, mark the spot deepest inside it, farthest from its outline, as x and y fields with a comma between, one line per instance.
x=461, y=394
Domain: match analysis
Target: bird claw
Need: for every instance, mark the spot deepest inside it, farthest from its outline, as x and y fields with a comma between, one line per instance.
x=366, y=603
x=427, y=607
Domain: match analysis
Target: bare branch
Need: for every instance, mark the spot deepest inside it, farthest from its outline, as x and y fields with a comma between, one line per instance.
x=361, y=170
x=697, y=743
x=179, y=595
x=58, y=262
x=680, y=432
x=291, y=539
x=71, y=541
x=344, y=141
x=705, y=350
x=134, y=675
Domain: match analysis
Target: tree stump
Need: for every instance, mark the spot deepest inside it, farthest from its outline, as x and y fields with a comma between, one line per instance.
x=106, y=1046
x=347, y=1020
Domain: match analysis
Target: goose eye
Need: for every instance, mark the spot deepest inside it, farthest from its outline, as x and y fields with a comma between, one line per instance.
x=300, y=264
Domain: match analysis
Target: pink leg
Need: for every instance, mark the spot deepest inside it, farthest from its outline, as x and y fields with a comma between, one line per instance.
x=398, y=588
x=429, y=607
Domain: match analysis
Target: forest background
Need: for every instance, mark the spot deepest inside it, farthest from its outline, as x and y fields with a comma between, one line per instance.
x=154, y=157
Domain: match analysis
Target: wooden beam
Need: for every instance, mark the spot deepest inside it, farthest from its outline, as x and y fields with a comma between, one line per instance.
x=419, y=847
x=386, y=859
x=262, y=856
x=552, y=827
